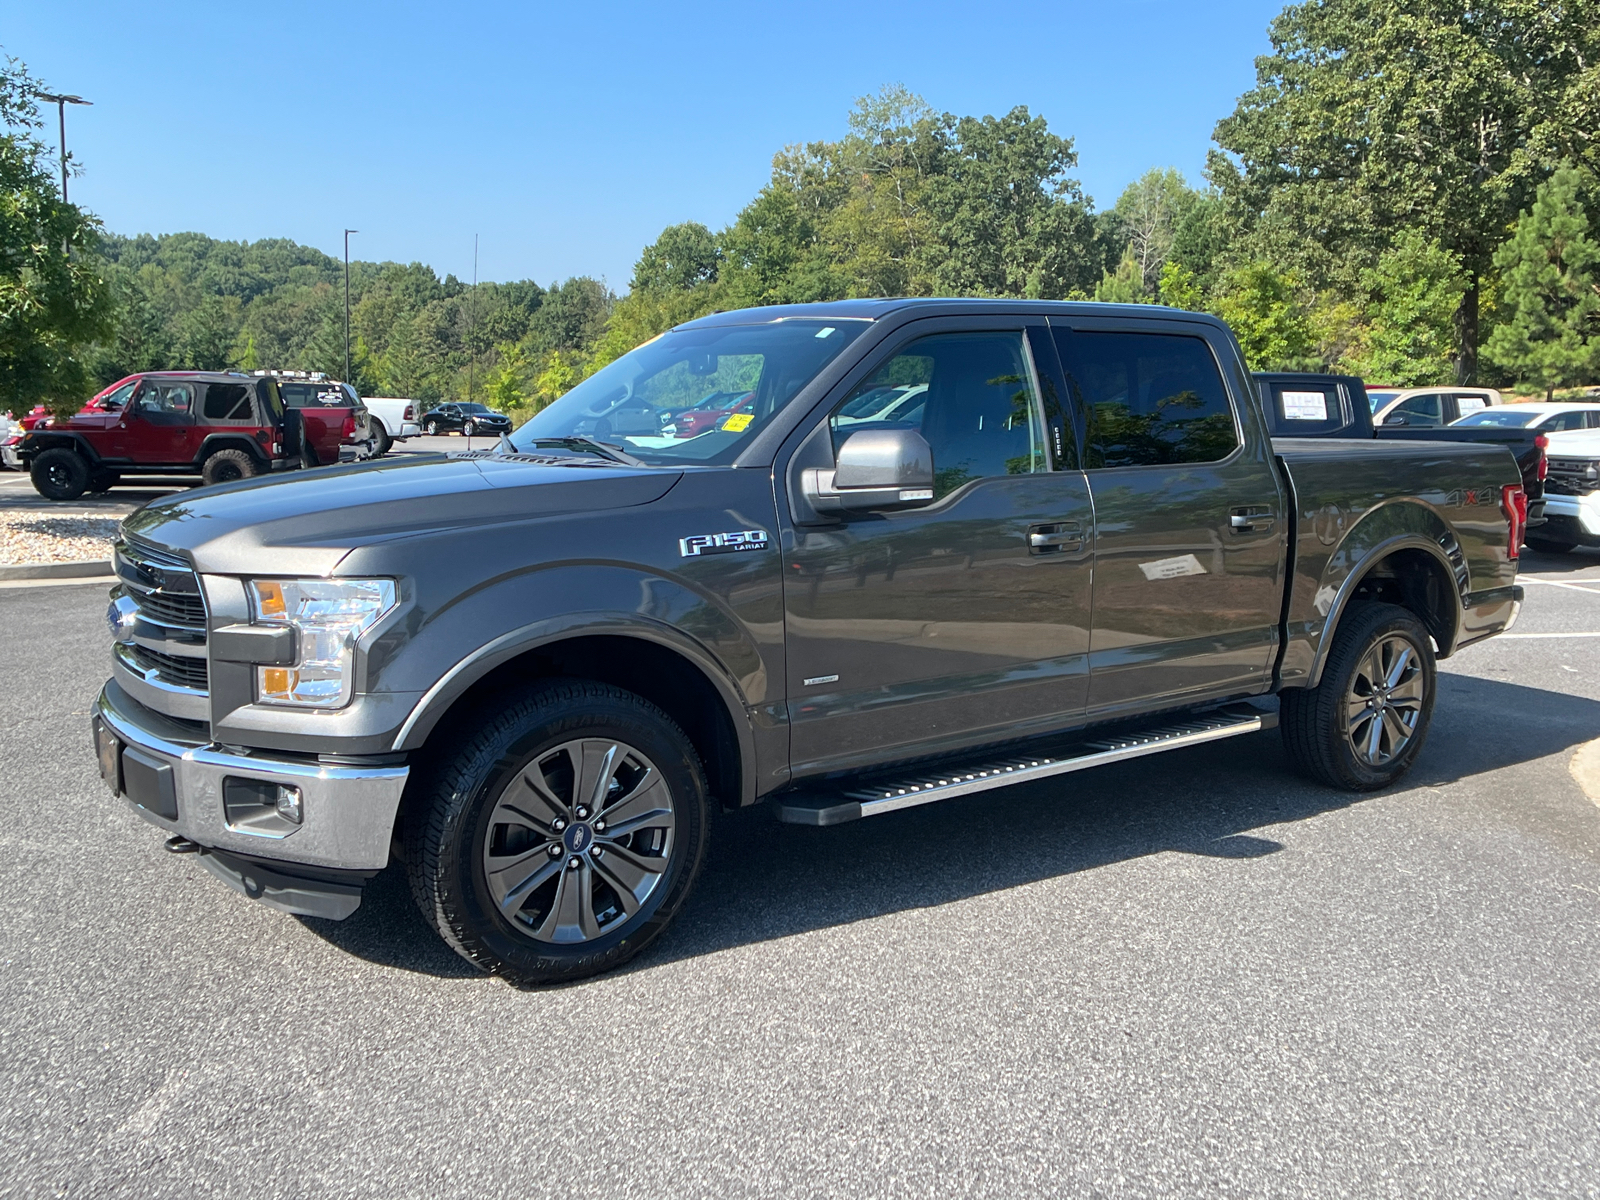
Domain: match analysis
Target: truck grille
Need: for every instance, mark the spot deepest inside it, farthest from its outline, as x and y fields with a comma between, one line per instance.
x=167, y=646
x=1573, y=476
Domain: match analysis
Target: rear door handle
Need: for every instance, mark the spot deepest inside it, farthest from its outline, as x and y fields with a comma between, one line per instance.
x=1254, y=519
x=1055, y=539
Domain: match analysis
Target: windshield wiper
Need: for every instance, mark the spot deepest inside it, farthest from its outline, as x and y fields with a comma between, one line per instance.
x=604, y=449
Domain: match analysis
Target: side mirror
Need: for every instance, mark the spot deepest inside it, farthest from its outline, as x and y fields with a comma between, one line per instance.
x=1396, y=420
x=877, y=470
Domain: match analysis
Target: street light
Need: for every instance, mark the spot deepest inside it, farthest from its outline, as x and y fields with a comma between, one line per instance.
x=347, y=234
x=61, y=103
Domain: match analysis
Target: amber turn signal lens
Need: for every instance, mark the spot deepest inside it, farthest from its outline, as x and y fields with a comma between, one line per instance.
x=269, y=598
x=275, y=681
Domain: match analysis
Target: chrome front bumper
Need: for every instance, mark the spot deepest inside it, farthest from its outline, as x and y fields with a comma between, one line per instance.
x=347, y=812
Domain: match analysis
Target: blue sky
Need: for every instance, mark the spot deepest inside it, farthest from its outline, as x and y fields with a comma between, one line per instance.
x=568, y=135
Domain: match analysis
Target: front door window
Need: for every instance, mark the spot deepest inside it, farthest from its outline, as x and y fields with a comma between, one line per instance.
x=971, y=397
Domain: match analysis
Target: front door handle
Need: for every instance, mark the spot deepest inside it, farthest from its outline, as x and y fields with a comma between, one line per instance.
x=1254, y=519
x=1055, y=539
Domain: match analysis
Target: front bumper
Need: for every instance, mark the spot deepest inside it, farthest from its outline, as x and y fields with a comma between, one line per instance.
x=1575, y=517
x=179, y=783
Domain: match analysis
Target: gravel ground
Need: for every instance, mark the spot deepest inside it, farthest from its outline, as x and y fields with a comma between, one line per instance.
x=1194, y=975
x=35, y=537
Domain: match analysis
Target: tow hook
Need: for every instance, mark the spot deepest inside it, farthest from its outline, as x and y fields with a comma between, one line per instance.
x=181, y=845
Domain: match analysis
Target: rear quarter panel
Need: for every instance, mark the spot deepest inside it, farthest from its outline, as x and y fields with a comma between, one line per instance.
x=1359, y=501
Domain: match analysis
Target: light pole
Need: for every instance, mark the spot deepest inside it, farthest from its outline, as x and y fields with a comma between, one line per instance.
x=61, y=103
x=347, y=234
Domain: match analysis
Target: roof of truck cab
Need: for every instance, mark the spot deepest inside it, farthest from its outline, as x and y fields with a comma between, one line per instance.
x=873, y=310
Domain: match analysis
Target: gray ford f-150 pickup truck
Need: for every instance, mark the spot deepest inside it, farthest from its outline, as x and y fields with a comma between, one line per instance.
x=946, y=546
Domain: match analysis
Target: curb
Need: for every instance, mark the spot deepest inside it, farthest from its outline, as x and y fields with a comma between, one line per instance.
x=1585, y=769
x=71, y=570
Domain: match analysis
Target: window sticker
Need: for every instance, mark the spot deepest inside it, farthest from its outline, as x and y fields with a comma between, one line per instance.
x=1305, y=406
x=1471, y=404
x=737, y=423
x=1172, y=568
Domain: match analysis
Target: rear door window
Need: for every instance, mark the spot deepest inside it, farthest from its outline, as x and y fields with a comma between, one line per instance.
x=1417, y=410
x=1148, y=398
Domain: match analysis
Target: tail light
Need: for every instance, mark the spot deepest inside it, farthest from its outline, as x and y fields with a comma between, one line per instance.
x=1543, y=443
x=349, y=430
x=1514, y=503
x=410, y=413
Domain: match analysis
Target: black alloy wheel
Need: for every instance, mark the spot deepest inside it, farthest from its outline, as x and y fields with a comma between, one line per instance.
x=59, y=474
x=1361, y=728
x=562, y=836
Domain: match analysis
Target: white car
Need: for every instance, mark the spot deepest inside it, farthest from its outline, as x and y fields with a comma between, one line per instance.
x=1428, y=407
x=395, y=417
x=1571, y=492
x=1546, y=418
x=10, y=435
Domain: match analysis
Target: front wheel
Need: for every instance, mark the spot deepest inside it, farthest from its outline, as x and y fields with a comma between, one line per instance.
x=59, y=474
x=562, y=836
x=468, y=428
x=1363, y=726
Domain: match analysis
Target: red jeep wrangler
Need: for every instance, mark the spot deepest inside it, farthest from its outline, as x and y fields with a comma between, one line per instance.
x=218, y=426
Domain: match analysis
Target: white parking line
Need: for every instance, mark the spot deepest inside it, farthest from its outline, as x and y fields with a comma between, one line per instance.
x=1562, y=583
x=1504, y=636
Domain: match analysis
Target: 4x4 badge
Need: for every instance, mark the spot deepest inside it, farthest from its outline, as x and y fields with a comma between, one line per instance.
x=722, y=543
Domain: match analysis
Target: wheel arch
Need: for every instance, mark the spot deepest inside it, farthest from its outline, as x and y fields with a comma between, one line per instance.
x=231, y=441
x=38, y=441
x=654, y=663
x=1410, y=570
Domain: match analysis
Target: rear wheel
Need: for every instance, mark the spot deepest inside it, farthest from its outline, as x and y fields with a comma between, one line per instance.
x=1545, y=546
x=467, y=428
x=381, y=441
x=59, y=474
x=431, y=428
x=225, y=466
x=1363, y=726
x=562, y=836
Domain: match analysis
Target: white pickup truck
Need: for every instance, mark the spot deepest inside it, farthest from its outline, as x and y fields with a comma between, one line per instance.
x=394, y=419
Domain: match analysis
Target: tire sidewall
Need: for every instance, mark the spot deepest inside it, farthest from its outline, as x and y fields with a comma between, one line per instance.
x=1369, y=627
x=236, y=462
x=462, y=888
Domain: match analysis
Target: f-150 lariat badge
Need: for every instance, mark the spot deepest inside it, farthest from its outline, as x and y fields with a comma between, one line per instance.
x=723, y=543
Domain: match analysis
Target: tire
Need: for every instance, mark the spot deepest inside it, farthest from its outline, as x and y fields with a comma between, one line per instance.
x=1338, y=749
x=1544, y=546
x=431, y=429
x=552, y=917
x=101, y=482
x=226, y=466
x=59, y=474
x=466, y=429
x=381, y=441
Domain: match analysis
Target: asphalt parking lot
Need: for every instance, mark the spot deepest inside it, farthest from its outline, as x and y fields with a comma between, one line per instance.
x=1190, y=975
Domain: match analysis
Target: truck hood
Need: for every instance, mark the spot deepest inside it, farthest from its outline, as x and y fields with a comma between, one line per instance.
x=1576, y=442
x=304, y=522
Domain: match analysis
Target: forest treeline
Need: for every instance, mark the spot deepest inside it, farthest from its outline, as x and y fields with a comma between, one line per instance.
x=1409, y=192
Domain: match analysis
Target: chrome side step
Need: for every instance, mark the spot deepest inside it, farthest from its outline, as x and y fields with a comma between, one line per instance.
x=930, y=785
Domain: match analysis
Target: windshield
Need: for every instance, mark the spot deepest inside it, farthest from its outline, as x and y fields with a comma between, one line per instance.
x=1501, y=418
x=694, y=395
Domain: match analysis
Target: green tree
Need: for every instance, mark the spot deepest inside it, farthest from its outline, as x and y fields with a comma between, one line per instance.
x=1372, y=117
x=1550, y=270
x=54, y=301
x=1180, y=288
x=1414, y=291
x=506, y=388
x=1266, y=314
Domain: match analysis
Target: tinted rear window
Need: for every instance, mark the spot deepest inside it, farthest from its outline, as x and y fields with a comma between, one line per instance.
x=1148, y=397
x=228, y=402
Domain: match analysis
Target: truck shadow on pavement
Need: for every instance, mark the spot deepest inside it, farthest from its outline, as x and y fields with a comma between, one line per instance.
x=763, y=880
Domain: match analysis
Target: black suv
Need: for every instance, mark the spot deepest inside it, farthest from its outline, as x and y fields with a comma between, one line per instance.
x=468, y=418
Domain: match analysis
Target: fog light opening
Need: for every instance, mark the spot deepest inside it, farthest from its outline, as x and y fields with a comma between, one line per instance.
x=289, y=805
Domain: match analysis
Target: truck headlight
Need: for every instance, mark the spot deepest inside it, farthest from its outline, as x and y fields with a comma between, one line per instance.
x=328, y=615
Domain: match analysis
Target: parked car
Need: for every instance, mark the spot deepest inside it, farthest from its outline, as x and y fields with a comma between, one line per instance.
x=337, y=425
x=217, y=426
x=703, y=415
x=10, y=438
x=1428, y=406
x=1303, y=405
x=1545, y=418
x=1572, y=493
x=394, y=419
x=468, y=417
x=536, y=673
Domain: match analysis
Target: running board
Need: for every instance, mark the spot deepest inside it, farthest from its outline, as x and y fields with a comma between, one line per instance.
x=930, y=785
